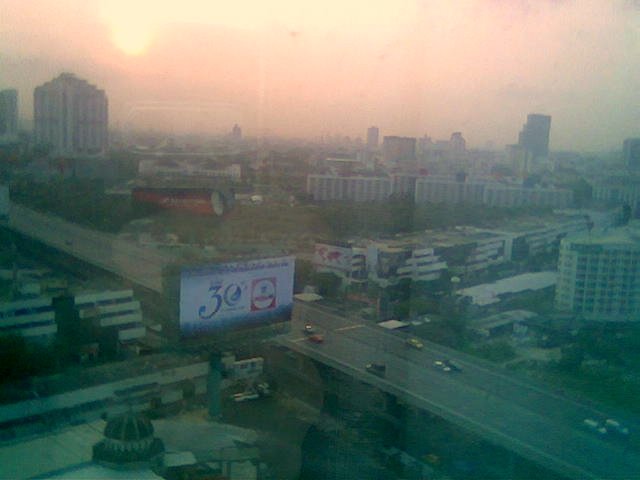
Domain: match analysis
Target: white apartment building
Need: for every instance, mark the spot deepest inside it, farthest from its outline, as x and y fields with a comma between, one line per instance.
x=618, y=191
x=352, y=188
x=599, y=275
x=113, y=309
x=71, y=116
x=497, y=195
x=438, y=190
x=479, y=192
x=33, y=319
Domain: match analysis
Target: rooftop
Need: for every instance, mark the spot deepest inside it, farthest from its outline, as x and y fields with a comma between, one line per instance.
x=489, y=293
x=628, y=236
x=86, y=377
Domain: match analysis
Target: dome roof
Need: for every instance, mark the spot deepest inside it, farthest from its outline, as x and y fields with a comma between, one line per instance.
x=129, y=427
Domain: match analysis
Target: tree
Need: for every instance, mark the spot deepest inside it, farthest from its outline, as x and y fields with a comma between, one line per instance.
x=328, y=283
x=13, y=358
x=303, y=275
x=19, y=360
x=572, y=358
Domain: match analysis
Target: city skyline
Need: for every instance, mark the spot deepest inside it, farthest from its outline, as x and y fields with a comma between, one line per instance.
x=337, y=70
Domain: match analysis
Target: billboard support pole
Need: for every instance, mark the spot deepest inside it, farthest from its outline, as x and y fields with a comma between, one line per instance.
x=214, y=383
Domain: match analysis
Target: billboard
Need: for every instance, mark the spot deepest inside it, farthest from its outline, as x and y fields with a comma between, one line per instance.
x=332, y=257
x=205, y=202
x=233, y=295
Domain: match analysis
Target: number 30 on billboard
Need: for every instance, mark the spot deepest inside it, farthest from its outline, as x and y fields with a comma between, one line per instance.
x=236, y=294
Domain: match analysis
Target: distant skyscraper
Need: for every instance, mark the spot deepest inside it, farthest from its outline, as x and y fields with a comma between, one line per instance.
x=372, y=137
x=631, y=152
x=398, y=149
x=534, y=136
x=236, y=132
x=8, y=114
x=457, y=143
x=71, y=116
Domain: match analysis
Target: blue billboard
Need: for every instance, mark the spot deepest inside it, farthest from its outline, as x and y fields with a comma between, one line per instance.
x=238, y=294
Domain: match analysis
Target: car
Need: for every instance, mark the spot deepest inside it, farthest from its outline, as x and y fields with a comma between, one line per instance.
x=378, y=369
x=614, y=426
x=447, y=365
x=454, y=366
x=309, y=329
x=414, y=343
x=594, y=426
x=316, y=338
x=245, y=396
x=442, y=365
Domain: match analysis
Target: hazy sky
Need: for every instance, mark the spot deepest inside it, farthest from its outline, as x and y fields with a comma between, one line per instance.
x=337, y=66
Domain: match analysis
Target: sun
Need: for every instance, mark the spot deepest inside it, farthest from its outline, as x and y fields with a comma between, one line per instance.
x=131, y=24
x=131, y=41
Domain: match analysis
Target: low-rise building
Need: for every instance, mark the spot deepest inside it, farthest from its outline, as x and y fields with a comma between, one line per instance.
x=539, y=235
x=492, y=293
x=344, y=259
x=33, y=319
x=469, y=250
x=116, y=310
x=390, y=261
x=420, y=257
x=500, y=323
x=140, y=384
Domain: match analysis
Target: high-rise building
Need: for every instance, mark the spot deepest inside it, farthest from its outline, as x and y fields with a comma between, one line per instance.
x=398, y=150
x=599, y=275
x=631, y=152
x=534, y=137
x=372, y=137
x=457, y=143
x=8, y=114
x=71, y=116
x=236, y=132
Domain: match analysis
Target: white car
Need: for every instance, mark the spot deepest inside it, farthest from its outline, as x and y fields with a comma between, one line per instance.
x=442, y=365
x=615, y=427
x=595, y=426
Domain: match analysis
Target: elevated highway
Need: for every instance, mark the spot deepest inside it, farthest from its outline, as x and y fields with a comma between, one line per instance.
x=141, y=265
x=544, y=426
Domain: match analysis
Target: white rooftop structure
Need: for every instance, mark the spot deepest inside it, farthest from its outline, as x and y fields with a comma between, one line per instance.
x=307, y=297
x=393, y=324
x=489, y=293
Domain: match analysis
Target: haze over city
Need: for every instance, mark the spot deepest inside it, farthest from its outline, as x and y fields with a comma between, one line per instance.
x=306, y=70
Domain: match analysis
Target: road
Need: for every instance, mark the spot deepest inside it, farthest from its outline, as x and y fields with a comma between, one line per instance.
x=142, y=265
x=523, y=417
